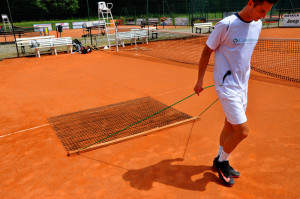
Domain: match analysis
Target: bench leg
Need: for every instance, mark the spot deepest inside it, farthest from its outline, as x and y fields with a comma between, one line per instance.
x=69, y=49
x=37, y=52
x=53, y=49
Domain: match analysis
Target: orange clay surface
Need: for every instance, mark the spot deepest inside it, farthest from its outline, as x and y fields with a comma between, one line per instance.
x=34, y=164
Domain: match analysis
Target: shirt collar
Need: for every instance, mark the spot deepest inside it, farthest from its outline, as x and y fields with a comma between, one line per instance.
x=238, y=16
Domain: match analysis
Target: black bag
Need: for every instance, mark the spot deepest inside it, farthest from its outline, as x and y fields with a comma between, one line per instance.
x=77, y=45
x=83, y=50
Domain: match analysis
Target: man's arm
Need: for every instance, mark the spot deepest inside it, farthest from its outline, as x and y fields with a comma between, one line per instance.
x=202, y=68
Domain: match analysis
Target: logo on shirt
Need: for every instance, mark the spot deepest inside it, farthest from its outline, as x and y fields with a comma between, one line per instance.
x=237, y=41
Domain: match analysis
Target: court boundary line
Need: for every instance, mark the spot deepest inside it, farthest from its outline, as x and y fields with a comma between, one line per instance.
x=36, y=127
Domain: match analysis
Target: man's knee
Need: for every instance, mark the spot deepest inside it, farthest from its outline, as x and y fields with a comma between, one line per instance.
x=244, y=133
x=241, y=130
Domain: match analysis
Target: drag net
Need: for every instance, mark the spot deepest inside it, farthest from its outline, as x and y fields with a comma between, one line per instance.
x=86, y=128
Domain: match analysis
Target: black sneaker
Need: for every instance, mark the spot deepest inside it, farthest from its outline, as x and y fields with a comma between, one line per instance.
x=224, y=171
x=233, y=172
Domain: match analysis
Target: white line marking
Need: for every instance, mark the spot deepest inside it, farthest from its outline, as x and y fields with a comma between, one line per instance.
x=24, y=130
x=174, y=91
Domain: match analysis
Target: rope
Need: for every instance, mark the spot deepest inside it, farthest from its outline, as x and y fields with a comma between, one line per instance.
x=193, y=125
x=142, y=120
x=207, y=108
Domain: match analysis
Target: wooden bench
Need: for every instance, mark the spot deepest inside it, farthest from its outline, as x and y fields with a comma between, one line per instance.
x=199, y=26
x=38, y=43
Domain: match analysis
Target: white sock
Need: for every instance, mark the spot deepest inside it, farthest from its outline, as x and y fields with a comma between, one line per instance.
x=223, y=157
x=220, y=150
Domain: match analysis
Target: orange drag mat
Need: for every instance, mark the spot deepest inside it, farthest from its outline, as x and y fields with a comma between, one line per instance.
x=34, y=163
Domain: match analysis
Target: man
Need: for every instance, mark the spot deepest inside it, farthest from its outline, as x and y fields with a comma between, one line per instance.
x=233, y=41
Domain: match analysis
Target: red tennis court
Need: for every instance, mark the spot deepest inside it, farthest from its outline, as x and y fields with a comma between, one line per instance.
x=34, y=163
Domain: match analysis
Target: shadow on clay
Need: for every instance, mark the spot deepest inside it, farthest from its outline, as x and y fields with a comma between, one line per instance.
x=165, y=172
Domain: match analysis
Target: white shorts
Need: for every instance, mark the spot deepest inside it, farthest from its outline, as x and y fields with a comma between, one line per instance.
x=234, y=105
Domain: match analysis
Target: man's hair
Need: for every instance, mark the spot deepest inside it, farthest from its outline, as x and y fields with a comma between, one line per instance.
x=259, y=2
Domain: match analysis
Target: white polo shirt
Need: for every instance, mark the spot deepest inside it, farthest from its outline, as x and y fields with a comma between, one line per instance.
x=233, y=41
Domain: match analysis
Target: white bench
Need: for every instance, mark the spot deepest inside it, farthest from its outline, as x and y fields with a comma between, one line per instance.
x=63, y=41
x=199, y=26
x=133, y=35
x=152, y=31
x=23, y=42
x=38, y=43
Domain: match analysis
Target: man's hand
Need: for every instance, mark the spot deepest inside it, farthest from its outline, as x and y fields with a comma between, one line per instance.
x=198, y=87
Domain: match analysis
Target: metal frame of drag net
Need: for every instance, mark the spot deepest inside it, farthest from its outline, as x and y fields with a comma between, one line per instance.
x=273, y=58
x=58, y=124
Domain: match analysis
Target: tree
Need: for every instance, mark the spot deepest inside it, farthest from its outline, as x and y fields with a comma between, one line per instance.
x=57, y=6
x=42, y=9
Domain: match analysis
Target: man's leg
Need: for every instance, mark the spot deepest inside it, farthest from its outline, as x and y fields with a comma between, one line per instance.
x=226, y=132
x=231, y=136
x=240, y=132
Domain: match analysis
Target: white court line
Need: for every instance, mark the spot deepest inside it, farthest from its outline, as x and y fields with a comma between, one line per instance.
x=24, y=130
x=174, y=91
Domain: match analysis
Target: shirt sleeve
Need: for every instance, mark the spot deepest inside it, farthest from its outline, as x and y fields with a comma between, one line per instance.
x=217, y=36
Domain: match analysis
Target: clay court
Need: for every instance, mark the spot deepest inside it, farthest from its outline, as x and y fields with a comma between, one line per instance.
x=174, y=162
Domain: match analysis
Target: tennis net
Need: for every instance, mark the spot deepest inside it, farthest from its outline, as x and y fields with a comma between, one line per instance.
x=276, y=58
